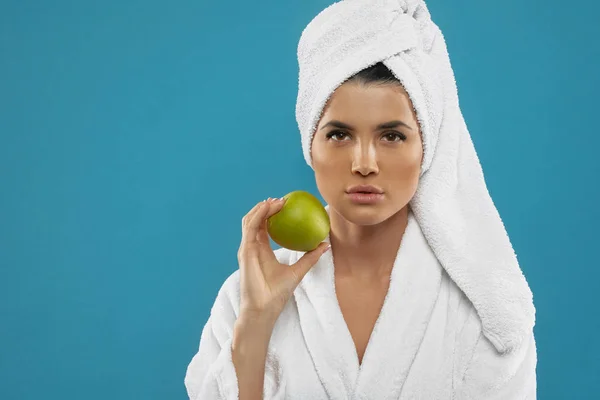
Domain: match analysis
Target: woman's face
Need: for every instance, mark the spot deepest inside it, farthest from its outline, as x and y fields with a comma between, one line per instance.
x=349, y=148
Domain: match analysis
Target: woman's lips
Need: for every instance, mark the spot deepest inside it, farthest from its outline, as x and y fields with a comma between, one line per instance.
x=365, y=198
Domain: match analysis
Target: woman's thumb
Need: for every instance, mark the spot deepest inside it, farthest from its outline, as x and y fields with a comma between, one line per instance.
x=309, y=259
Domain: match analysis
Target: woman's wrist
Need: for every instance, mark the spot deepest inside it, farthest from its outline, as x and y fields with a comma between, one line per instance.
x=256, y=327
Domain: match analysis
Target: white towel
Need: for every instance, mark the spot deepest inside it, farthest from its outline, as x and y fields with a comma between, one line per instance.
x=452, y=203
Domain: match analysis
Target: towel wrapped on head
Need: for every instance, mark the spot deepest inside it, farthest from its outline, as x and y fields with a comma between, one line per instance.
x=452, y=204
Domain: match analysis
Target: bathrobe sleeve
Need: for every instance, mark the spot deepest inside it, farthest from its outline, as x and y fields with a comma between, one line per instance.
x=211, y=374
x=495, y=376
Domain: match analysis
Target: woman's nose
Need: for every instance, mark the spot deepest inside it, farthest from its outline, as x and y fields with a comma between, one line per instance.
x=364, y=159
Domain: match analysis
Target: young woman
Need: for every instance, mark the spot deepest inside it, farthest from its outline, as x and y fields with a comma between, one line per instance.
x=419, y=295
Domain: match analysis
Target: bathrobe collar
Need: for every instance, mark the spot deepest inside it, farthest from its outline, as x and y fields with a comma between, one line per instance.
x=414, y=286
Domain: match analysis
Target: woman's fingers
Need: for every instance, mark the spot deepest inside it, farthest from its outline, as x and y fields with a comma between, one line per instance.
x=254, y=225
x=263, y=235
x=308, y=260
x=265, y=283
x=258, y=218
x=274, y=207
x=250, y=214
x=246, y=240
x=255, y=221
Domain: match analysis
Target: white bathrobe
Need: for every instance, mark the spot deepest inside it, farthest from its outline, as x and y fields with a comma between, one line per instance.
x=427, y=344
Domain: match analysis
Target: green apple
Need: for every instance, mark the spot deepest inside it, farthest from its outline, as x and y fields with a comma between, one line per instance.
x=301, y=224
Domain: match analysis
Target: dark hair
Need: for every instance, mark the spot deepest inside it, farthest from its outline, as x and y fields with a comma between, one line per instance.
x=375, y=74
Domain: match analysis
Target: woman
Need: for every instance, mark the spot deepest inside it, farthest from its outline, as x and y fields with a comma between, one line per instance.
x=421, y=295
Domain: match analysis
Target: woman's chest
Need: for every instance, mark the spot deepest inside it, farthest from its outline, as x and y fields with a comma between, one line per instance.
x=360, y=305
x=409, y=352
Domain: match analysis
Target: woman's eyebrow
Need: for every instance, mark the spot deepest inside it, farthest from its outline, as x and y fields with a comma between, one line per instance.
x=385, y=125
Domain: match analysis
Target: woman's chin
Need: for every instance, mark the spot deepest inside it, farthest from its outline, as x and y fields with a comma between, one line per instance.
x=364, y=215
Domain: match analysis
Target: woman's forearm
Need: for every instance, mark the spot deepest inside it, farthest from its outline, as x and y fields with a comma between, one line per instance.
x=249, y=347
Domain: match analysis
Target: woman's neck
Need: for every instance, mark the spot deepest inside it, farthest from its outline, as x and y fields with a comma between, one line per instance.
x=366, y=253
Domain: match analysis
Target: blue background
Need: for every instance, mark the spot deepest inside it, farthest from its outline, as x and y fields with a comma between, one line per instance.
x=134, y=136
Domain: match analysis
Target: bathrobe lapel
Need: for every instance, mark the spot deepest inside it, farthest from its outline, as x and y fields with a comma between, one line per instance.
x=394, y=343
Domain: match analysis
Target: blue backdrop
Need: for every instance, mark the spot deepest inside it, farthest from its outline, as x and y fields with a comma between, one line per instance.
x=134, y=135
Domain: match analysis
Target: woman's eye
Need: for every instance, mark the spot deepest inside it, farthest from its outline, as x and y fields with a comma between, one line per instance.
x=390, y=137
x=395, y=137
x=337, y=135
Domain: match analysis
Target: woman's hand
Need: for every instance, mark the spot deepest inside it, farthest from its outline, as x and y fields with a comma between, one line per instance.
x=265, y=284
